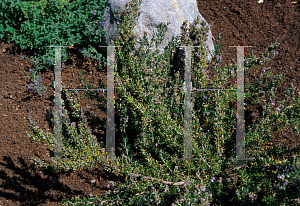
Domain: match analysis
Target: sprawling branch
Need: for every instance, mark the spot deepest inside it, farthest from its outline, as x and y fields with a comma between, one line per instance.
x=132, y=175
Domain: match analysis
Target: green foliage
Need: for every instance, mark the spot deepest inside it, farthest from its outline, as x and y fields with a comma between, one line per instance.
x=82, y=149
x=48, y=23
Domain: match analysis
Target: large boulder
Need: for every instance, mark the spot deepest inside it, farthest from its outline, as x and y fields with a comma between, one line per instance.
x=153, y=13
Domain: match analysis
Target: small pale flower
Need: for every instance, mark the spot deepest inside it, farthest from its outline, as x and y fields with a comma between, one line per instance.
x=203, y=188
x=278, y=108
x=273, y=103
x=232, y=71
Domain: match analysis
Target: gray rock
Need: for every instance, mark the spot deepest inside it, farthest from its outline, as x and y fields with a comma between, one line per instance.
x=153, y=13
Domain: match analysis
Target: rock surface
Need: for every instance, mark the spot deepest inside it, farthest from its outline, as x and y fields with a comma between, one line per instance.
x=153, y=13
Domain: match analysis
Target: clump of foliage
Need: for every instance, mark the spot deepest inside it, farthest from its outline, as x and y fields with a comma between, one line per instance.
x=38, y=24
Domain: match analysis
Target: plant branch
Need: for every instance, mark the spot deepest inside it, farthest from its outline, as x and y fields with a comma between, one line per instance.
x=132, y=175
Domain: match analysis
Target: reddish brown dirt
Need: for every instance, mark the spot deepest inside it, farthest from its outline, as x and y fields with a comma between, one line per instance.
x=240, y=22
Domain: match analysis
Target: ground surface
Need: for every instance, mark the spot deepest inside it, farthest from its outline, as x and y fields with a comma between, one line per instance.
x=240, y=22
